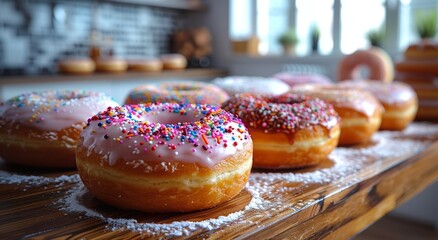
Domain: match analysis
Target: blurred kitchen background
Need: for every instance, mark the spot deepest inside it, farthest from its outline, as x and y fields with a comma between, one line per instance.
x=239, y=37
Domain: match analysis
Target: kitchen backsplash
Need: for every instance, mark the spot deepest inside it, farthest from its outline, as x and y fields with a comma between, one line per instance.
x=36, y=34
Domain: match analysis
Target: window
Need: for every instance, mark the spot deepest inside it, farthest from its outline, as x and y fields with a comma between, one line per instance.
x=309, y=16
x=240, y=19
x=272, y=21
x=409, y=10
x=268, y=19
x=357, y=19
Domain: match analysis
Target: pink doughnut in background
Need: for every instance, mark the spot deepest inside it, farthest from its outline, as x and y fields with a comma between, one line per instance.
x=293, y=79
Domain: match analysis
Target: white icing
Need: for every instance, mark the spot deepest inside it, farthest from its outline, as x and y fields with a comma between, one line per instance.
x=241, y=84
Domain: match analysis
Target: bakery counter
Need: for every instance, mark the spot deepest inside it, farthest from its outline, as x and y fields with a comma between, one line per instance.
x=351, y=189
x=115, y=85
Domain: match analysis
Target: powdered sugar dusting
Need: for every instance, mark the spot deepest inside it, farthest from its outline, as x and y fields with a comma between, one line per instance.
x=73, y=203
x=271, y=192
x=13, y=178
x=269, y=189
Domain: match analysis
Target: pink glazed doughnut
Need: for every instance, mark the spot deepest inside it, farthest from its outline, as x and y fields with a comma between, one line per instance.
x=293, y=79
x=376, y=60
x=258, y=85
x=41, y=129
x=164, y=157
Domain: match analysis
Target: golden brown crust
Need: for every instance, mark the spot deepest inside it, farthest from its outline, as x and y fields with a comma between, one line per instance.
x=398, y=99
x=428, y=110
x=37, y=148
x=111, y=65
x=416, y=66
x=164, y=186
x=174, y=62
x=145, y=65
x=357, y=128
x=360, y=111
x=421, y=51
x=304, y=147
x=77, y=66
x=399, y=116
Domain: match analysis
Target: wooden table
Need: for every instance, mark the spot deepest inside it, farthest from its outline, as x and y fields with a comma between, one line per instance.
x=335, y=200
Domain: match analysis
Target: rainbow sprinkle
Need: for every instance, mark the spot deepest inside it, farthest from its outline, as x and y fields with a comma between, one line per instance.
x=284, y=113
x=137, y=125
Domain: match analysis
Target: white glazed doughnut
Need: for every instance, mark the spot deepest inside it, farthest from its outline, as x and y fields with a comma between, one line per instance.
x=241, y=84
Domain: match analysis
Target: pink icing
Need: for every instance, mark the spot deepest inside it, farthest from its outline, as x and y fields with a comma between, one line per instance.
x=54, y=110
x=387, y=93
x=293, y=79
x=241, y=84
x=168, y=132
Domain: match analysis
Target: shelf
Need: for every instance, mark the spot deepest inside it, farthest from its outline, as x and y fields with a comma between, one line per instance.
x=192, y=5
x=337, y=199
x=188, y=73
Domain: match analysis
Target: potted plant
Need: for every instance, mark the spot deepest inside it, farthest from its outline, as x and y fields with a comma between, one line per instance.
x=376, y=37
x=315, y=34
x=288, y=40
x=426, y=25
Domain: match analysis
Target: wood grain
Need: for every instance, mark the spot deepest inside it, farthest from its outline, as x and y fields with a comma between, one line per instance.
x=335, y=209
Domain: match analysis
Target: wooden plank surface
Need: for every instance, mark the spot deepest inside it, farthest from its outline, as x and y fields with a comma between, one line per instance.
x=353, y=188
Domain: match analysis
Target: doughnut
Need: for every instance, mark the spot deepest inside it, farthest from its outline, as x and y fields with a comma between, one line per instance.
x=428, y=110
x=418, y=66
x=422, y=51
x=145, y=65
x=288, y=131
x=398, y=99
x=293, y=79
x=376, y=60
x=77, y=66
x=111, y=65
x=240, y=84
x=425, y=85
x=41, y=129
x=164, y=157
x=178, y=92
x=360, y=111
x=174, y=61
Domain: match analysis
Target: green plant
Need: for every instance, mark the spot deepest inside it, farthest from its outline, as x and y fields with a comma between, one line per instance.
x=376, y=37
x=288, y=38
x=426, y=24
x=315, y=34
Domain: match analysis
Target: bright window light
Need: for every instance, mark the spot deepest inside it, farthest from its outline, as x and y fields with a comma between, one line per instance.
x=272, y=21
x=357, y=19
x=307, y=16
x=240, y=19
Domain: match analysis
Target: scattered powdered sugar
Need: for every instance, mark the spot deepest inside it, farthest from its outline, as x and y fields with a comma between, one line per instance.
x=30, y=180
x=267, y=189
x=421, y=129
x=73, y=203
x=263, y=188
x=347, y=161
